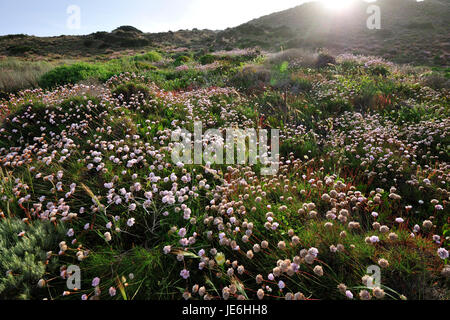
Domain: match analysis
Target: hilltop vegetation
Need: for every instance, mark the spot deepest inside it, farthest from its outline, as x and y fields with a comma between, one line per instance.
x=411, y=32
x=88, y=180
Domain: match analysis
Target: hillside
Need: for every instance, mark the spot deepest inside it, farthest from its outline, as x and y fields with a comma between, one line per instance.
x=423, y=39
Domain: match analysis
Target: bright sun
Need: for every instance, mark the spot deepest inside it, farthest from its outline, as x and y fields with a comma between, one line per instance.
x=337, y=4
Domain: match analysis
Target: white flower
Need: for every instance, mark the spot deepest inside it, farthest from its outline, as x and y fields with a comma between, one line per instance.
x=443, y=253
x=131, y=222
x=70, y=233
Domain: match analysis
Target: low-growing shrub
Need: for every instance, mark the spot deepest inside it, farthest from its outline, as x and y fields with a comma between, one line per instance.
x=181, y=60
x=207, y=59
x=70, y=74
x=324, y=60
x=130, y=89
x=251, y=77
x=151, y=56
x=436, y=81
x=23, y=256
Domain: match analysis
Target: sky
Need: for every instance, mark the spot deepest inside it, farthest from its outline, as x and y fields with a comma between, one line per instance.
x=58, y=17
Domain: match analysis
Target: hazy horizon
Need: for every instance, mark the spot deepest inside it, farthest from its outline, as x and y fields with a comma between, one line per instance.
x=47, y=18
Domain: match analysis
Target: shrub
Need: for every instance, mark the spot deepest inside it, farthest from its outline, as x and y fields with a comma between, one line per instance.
x=301, y=85
x=297, y=57
x=20, y=50
x=436, y=81
x=130, y=89
x=252, y=76
x=207, y=59
x=70, y=74
x=151, y=56
x=181, y=60
x=324, y=60
x=379, y=71
x=23, y=259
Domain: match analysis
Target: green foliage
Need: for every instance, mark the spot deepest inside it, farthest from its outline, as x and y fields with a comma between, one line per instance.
x=23, y=258
x=207, y=59
x=71, y=74
x=151, y=56
x=130, y=89
x=181, y=60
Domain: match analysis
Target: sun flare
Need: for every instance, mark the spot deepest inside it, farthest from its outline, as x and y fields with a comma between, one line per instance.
x=337, y=4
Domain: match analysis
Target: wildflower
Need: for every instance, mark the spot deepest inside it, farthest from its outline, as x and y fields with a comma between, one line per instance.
x=342, y=288
x=95, y=282
x=220, y=259
x=112, y=291
x=281, y=285
x=383, y=263
x=182, y=232
x=260, y=294
x=365, y=295
x=184, y=274
x=41, y=283
x=427, y=224
x=318, y=270
x=384, y=229
x=131, y=222
x=108, y=236
x=393, y=236
x=289, y=296
x=443, y=253
x=70, y=233
x=349, y=294
x=167, y=249
x=378, y=293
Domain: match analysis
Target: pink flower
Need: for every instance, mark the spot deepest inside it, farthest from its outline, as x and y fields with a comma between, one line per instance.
x=184, y=274
x=95, y=281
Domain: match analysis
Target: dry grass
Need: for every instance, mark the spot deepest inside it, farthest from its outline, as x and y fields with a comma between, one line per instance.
x=17, y=74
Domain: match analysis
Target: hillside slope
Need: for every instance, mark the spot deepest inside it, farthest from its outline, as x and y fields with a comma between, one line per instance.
x=410, y=31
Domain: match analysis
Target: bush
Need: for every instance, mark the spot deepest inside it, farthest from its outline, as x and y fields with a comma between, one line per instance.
x=379, y=71
x=23, y=260
x=70, y=74
x=324, y=60
x=151, y=56
x=130, y=89
x=251, y=77
x=436, y=81
x=181, y=60
x=207, y=59
x=20, y=50
x=298, y=57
